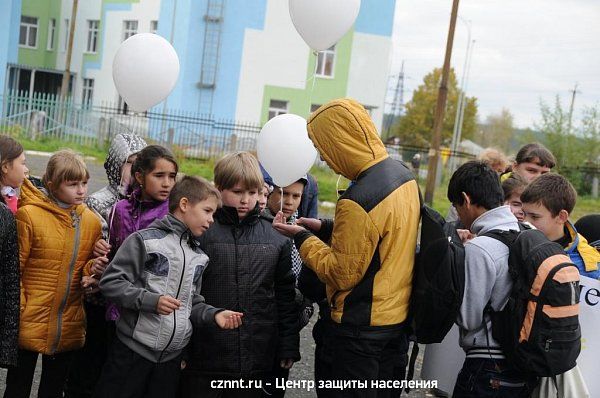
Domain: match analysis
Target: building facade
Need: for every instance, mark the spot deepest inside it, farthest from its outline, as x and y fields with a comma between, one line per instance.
x=240, y=59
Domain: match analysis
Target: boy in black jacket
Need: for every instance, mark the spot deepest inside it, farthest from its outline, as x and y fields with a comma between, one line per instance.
x=250, y=272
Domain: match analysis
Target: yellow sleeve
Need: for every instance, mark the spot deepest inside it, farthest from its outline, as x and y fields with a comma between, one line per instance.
x=25, y=238
x=353, y=243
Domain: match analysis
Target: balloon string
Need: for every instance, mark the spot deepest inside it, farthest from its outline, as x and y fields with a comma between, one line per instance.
x=281, y=202
x=313, y=78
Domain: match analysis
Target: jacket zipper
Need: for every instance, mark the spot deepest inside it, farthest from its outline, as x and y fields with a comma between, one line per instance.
x=76, y=224
x=177, y=297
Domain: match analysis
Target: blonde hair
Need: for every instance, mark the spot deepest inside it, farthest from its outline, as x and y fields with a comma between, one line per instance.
x=64, y=165
x=494, y=158
x=238, y=168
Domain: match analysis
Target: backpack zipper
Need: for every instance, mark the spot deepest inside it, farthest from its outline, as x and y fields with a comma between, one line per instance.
x=61, y=308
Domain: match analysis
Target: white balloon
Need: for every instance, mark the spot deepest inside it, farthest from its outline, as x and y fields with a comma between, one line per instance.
x=322, y=23
x=285, y=150
x=145, y=70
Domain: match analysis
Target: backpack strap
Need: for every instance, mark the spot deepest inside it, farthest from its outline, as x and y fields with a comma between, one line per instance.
x=411, y=364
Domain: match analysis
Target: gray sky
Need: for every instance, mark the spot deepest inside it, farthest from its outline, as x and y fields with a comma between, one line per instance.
x=524, y=50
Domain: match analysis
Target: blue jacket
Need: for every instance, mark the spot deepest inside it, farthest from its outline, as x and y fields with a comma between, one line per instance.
x=584, y=256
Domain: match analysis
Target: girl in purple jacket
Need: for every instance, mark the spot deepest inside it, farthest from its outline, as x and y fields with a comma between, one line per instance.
x=154, y=172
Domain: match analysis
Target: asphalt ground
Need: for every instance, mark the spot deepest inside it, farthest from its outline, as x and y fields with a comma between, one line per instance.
x=302, y=370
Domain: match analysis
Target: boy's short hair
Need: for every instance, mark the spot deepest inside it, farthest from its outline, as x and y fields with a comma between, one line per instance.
x=536, y=151
x=553, y=191
x=65, y=165
x=479, y=181
x=195, y=189
x=513, y=183
x=238, y=167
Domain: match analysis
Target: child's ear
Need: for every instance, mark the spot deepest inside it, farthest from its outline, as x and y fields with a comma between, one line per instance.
x=139, y=178
x=466, y=198
x=563, y=216
x=183, y=204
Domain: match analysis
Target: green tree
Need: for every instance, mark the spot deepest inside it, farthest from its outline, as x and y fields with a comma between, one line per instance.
x=497, y=131
x=590, y=131
x=416, y=126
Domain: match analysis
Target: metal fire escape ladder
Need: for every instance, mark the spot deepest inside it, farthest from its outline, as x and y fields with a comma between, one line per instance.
x=213, y=20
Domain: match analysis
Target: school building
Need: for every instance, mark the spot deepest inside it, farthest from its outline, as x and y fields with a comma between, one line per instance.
x=240, y=59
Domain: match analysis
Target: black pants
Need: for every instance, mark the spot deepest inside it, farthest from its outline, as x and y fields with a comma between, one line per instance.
x=127, y=374
x=322, y=333
x=369, y=354
x=54, y=372
x=194, y=385
x=88, y=362
x=269, y=385
x=485, y=377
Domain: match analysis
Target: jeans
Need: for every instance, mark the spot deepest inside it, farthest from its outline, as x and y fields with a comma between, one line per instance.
x=486, y=377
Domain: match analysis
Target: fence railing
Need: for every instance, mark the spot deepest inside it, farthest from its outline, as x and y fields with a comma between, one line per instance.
x=192, y=135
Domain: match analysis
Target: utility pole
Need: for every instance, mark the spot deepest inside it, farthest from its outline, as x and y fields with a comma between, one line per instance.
x=67, y=75
x=434, y=150
x=574, y=93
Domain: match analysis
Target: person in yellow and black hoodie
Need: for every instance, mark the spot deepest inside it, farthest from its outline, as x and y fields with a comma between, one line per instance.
x=368, y=265
x=56, y=234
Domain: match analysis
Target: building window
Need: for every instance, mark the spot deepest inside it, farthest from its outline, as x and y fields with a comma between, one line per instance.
x=28, y=32
x=277, y=108
x=130, y=28
x=66, y=35
x=92, y=36
x=51, y=32
x=314, y=107
x=153, y=26
x=87, y=94
x=325, y=62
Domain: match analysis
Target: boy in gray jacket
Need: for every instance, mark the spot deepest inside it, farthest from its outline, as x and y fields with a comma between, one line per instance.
x=156, y=277
x=475, y=191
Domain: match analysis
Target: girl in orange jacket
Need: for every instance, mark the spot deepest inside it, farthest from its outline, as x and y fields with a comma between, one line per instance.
x=56, y=233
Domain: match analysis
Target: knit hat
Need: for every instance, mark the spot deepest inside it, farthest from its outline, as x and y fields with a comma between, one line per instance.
x=589, y=227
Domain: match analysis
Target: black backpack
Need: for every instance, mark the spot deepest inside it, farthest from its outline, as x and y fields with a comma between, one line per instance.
x=438, y=279
x=538, y=329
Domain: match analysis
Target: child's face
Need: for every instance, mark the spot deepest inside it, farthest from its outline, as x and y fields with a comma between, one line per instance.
x=262, y=197
x=126, y=171
x=71, y=192
x=541, y=218
x=13, y=173
x=516, y=206
x=157, y=184
x=530, y=170
x=292, y=194
x=243, y=199
x=199, y=216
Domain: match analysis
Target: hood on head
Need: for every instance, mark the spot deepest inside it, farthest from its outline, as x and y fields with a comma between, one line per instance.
x=346, y=138
x=121, y=147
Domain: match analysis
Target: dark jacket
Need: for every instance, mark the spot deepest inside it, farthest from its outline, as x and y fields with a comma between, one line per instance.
x=309, y=204
x=9, y=288
x=249, y=272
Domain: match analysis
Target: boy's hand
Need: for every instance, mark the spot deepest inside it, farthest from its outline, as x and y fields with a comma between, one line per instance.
x=465, y=235
x=286, y=363
x=283, y=228
x=102, y=248
x=312, y=224
x=167, y=304
x=99, y=265
x=229, y=319
x=89, y=285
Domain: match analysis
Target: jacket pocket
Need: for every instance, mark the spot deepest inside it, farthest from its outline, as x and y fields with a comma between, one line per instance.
x=153, y=330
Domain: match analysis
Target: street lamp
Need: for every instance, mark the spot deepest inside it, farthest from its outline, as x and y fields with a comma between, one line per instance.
x=460, y=107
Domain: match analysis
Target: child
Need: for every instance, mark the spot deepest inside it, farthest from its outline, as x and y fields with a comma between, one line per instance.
x=88, y=362
x=12, y=170
x=291, y=199
x=532, y=161
x=57, y=233
x=156, y=277
x=513, y=187
x=12, y=174
x=154, y=172
x=250, y=272
x=475, y=192
x=262, y=196
x=547, y=202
